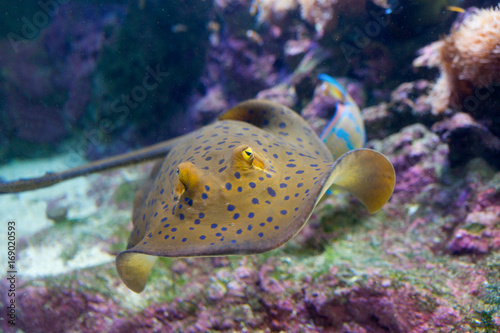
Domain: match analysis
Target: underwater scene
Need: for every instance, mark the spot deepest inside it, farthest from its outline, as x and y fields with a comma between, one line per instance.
x=250, y=166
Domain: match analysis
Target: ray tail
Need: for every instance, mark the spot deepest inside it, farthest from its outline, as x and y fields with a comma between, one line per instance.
x=156, y=151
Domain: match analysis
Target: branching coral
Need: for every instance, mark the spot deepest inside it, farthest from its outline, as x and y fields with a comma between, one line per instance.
x=469, y=59
x=322, y=14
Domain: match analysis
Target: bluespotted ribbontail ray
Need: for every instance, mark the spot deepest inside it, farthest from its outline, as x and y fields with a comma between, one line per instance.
x=243, y=185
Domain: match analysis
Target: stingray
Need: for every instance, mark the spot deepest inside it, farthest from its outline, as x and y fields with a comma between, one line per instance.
x=245, y=184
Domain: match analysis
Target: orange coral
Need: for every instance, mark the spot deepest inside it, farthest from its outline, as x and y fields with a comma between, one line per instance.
x=469, y=59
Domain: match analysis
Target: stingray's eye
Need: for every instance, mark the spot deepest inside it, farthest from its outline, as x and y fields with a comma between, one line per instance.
x=246, y=158
x=177, y=171
x=248, y=154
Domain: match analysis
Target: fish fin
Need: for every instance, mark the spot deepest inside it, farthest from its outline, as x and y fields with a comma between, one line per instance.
x=255, y=111
x=367, y=175
x=143, y=155
x=455, y=9
x=134, y=269
x=346, y=130
x=264, y=114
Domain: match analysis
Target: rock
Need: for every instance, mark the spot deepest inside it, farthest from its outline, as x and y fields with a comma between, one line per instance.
x=57, y=209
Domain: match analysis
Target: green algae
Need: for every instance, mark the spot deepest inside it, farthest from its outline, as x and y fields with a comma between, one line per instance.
x=474, y=228
x=488, y=305
x=372, y=252
x=125, y=193
x=70, y=252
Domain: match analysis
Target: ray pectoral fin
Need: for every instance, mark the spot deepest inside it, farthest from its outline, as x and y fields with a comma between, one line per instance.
x=134, y=269
x=366, y=174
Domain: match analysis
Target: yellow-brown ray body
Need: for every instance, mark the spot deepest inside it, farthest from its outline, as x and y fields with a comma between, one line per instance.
x=243, y=185
x=232, y=207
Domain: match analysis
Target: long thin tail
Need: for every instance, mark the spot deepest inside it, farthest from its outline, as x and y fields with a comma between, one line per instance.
x=345, y=131
x=136, y=157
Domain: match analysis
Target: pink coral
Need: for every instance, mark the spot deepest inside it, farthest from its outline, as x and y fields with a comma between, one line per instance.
x=469, y=59
x=322, y=14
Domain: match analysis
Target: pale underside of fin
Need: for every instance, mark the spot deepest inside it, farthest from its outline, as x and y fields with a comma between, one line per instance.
x=366, y=174
x=134, y=269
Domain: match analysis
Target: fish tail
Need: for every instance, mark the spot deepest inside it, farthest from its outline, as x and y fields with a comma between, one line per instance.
x=345, y=131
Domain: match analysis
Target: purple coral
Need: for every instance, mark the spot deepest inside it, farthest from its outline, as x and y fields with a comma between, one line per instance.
x=49, y=77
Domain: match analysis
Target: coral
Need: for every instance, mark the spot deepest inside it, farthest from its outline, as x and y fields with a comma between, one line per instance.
x=427, y=262
x=407, y=106
x=469, y=59
x=323, y=15
x=45, y=310
x=418, y=156
x=248, y=297
x=269, y=10
x=403, y=269
x=467, y=139
x=48, y=78
x=480, y=231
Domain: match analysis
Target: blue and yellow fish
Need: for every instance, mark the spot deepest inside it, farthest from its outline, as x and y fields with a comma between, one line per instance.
x=345, y=131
